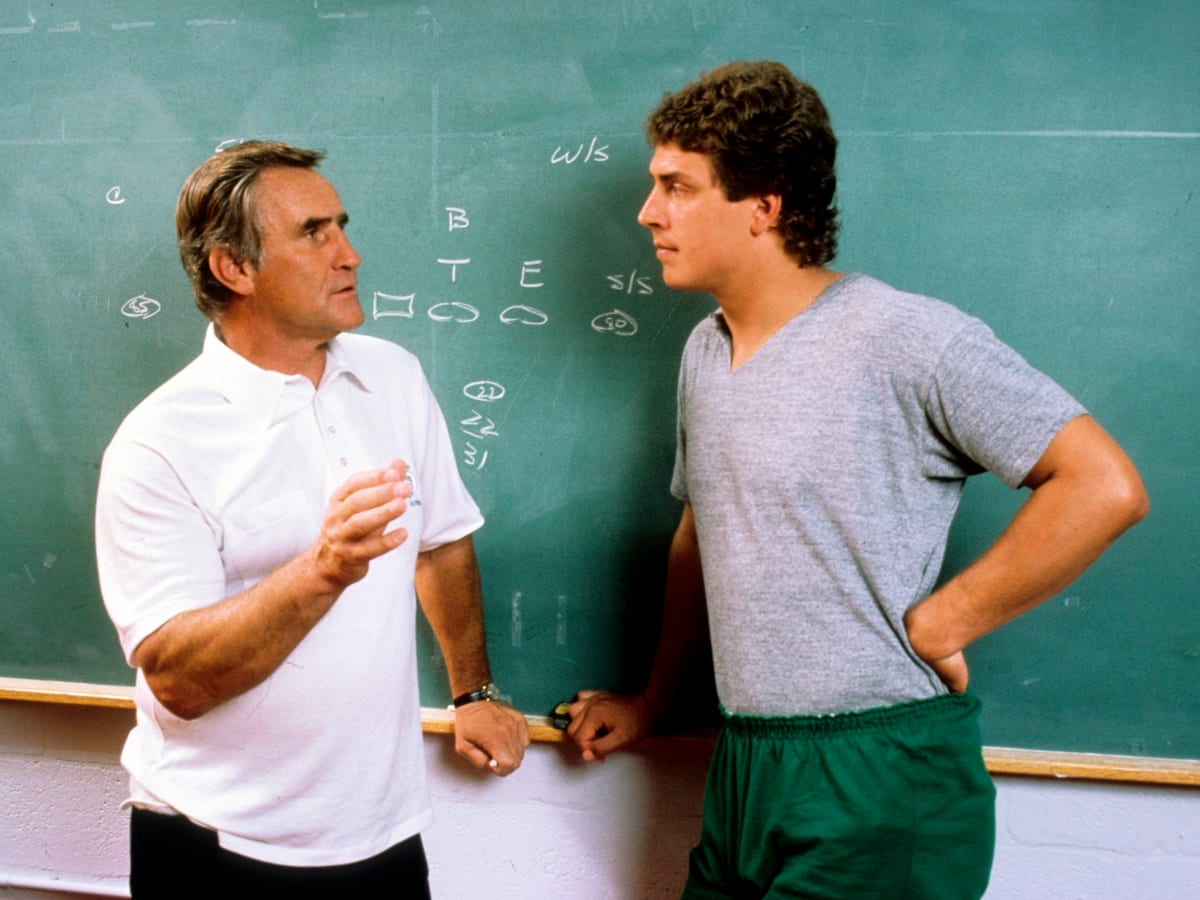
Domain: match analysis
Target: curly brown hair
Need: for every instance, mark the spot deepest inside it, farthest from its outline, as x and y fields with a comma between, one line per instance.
x=765, y=132
x=216, y=209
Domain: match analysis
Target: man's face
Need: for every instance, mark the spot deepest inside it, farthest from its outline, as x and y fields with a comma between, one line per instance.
x=698, y=234
x=305, y=286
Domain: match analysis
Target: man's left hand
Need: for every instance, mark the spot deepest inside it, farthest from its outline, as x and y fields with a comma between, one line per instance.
x=491, y=735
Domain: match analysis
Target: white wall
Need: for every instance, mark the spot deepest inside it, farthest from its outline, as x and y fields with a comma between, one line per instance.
x=557, y=828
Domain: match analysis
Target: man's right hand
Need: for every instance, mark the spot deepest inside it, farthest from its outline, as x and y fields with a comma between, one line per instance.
x=355, y=528
x=603, y=722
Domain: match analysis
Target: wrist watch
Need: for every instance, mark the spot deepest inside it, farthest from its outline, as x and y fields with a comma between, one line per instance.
x=488, y=692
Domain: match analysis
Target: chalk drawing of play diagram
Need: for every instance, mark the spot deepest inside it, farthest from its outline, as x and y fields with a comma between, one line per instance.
x=401, y=306
x=615, y=322
x=141, y=307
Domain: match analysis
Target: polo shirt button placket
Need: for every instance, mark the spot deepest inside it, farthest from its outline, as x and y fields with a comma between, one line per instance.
x=330, y=439
x=332, y=429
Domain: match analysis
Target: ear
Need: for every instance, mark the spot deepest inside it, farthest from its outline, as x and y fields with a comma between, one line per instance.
x=237, y=276
x=766, y=213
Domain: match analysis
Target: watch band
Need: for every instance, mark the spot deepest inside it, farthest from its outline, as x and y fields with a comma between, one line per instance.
x=487, y=692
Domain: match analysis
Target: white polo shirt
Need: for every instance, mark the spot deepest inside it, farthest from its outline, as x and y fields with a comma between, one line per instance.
x=212, y=482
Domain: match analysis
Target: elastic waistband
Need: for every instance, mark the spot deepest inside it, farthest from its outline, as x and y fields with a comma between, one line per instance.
x=943, y=707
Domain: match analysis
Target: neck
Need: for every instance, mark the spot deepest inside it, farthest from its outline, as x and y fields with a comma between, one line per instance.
x=754, y=315
x=297, y=357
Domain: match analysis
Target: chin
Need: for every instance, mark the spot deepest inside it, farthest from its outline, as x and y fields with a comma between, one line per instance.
x=680, y=284
x=670, y=279
x=352, y=318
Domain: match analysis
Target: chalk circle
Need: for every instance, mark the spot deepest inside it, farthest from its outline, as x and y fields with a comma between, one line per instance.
x=141, y=307
x=615, y=322
x=523, y=315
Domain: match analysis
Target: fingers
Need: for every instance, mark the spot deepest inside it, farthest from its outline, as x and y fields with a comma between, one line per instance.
x=502, y=768
x=479, y=757
x=582, y=697
x=367, y=502
x=394, y=471
x=578, y=709
x=493, y=736
x=603, y=722
x=597, y=751
x=953, y=672
x=354, y=530
x=951, y=668
x=501, y=764
x=599, y=737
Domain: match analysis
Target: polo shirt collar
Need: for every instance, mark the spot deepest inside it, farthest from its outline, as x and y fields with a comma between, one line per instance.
x=340, y=360
x=270, y=396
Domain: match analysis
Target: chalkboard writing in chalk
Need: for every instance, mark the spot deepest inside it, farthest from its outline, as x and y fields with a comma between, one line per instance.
x=492, y=161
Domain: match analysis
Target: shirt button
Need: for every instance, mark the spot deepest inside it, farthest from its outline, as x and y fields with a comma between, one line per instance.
x=342, y=461
x=332, y=430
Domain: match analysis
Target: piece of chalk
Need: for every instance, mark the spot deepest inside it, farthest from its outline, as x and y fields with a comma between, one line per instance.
x=493, y=763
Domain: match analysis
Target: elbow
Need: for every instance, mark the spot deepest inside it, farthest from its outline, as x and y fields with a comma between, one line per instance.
x=179, y=704
x=181, y=699
x=1137, y=505
x=1128, y=501
x=188, y=711
x=185, y=712
x=181, y=689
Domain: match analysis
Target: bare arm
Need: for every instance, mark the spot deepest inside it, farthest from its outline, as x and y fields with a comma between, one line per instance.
x=202, y=658
x=1086, y=493
x=601, y=721
x=448, y=587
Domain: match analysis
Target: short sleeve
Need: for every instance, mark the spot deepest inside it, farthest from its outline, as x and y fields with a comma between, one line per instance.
x=156, y=554
x=995, y=408
x=449, y=511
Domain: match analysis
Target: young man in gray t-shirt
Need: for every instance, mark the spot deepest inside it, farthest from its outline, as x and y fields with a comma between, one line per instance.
x=827, y=424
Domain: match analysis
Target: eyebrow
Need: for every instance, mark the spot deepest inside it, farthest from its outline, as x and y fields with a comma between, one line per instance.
x=342, y=219
x=674, y=174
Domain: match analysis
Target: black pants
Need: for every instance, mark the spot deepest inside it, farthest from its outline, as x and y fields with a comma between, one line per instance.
x=171, y=857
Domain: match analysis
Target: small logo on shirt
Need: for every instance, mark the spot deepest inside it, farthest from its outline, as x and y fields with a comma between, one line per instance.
x=411, y=479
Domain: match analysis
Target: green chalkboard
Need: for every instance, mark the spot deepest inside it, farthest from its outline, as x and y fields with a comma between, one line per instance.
x=1034, y=163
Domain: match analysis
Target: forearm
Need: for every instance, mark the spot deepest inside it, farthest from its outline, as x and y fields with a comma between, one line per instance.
x=448, y=587
x=203, y=658
x=603, y=722
x=491, y=735
x=1033, y=560
x=684, y=633
x=1086, y=493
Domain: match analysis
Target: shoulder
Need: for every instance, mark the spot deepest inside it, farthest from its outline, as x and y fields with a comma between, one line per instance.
x=150, y=451
x=895, y=329
x=168, y=409
x=902, y=313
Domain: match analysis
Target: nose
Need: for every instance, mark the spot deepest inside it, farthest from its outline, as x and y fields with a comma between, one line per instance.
x=347, y=257
x=648, y=216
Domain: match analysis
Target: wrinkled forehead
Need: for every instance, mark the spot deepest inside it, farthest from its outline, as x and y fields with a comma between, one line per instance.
x=290, y=197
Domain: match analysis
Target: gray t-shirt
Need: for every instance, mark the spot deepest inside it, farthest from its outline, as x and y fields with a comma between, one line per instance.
x=824, y=474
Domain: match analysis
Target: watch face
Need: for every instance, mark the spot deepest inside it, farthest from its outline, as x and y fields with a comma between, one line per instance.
x=493, y=692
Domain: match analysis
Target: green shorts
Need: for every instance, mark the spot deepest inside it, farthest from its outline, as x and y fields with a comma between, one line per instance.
x=887, y=803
